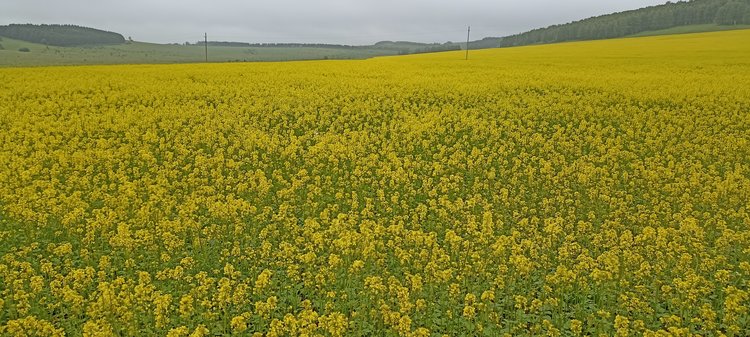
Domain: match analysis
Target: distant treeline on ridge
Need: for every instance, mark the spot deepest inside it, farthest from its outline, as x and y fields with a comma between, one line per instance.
x=60, y=35
x=433, y=48
x=402, y=47
x=622, y=24
x=669, y=15
x=278, y=45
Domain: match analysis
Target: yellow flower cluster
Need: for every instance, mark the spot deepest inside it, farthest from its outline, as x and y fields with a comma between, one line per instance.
x=594, y=188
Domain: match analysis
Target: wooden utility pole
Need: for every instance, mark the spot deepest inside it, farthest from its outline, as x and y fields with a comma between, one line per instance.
x=205, y=43
x=468, y=33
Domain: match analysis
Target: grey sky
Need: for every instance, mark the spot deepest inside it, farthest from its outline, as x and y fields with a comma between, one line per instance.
x=325, y=21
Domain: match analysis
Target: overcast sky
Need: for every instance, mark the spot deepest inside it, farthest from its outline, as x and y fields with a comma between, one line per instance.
x=325, y=21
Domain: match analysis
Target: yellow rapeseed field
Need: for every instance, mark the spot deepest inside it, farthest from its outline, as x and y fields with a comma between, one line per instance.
x=593, y=188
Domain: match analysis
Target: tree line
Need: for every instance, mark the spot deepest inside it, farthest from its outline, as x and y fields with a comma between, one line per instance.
x=669, y=15
x=432, y=49
x=401, y=47
x=276, y=45
x=60, y=35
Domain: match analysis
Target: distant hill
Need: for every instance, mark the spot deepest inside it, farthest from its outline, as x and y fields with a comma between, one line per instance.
x=220, y=44
x=22, y=53
x=400, y=47
x=406, y=47
x=61, y=35
x=691, y=29
x=654, y=18
x=28, y=44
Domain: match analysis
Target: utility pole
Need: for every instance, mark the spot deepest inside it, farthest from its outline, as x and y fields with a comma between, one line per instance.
x=468, y=33
x=205, y=43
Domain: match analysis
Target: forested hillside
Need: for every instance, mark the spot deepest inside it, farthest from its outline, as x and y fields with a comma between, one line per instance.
x=60, y=35
x=671, y=14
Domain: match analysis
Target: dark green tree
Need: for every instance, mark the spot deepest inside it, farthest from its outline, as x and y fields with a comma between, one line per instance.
x=732, y=13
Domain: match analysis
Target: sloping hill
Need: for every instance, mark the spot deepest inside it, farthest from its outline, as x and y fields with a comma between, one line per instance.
x=37, y=54
x=691, y=29
x=141, y=52
x=654, y=18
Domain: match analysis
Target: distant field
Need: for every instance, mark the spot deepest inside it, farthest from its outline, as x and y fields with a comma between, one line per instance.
x=691, y=29
x=140, y=52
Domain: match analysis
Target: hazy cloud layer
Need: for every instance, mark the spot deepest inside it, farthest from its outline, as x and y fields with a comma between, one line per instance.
x=325, y=21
